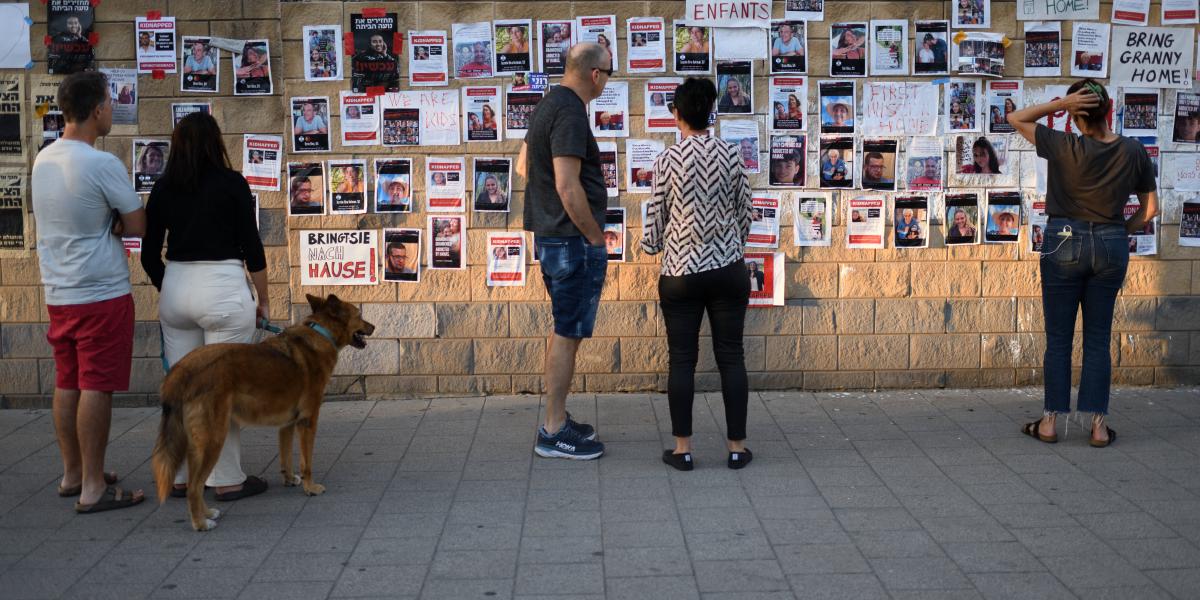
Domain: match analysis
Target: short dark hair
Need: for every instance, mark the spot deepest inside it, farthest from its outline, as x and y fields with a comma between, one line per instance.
x=694, y=99
x=873, y=156
x=81, y=93
x=394, y=246
x=1097, y=115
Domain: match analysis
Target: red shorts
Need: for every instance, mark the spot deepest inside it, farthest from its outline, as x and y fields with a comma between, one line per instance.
x=93, y=344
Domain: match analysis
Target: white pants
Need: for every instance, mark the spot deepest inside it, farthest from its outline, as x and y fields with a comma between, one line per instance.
x=207, y=303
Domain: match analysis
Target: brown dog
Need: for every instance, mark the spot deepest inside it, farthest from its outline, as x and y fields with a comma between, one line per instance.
x=279, y=382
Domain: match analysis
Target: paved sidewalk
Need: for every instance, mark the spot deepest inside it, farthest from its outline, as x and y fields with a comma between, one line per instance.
x=921, y=494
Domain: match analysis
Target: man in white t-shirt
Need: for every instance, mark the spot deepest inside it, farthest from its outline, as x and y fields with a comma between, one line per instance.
x=83, y=203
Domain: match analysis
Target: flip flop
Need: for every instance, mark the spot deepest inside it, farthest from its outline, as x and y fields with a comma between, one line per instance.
x=1031, y=430
x=113, y=498
x=67, y=492
x=1112, y=437
x=253, y=486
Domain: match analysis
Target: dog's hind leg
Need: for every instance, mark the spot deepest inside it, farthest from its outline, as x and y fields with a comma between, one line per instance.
x=308, y=432
x=286, y=434
x=202, y=456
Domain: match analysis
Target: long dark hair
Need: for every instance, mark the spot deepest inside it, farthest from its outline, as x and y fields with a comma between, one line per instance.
x=196, y=149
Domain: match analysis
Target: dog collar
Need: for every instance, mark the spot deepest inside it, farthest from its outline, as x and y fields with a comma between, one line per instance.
x=325, y=333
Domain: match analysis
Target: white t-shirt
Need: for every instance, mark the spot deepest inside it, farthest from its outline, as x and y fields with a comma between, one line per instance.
x=75, y=188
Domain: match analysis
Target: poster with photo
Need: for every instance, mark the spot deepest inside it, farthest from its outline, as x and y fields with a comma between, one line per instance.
x=262, y=160
x=1089, y=49
x=473, y=54
x=421, y=118
x=69, y=30
x=505, y=258
x=910, y=218
x=608, y=168
x=1003, y=216
x=610, y=112
x=924, y=160
x=848, y=50
x=375, y=63
x=766, y=273
x=123, y=90
x=493, y=184
x=53, y=125
x=446, y=184
x=310, y=124
x=556, y=37
x=806, y=10
x=889, y=40
x=961, y=105
x=149, y=161
x=981, y=155
x=788, y=160
x=1187, y=118
x=43, y=98
x=482, y=124
x=789, y=103
x=179, y=110
x=660, y=93
x=865, y=222
x=306, y=189
x=836, y=162
x=324, y=53
x=447, y=242
x=1180, y=12
x=12, y=121
x=789, y=47
x=1189, y=224
x=900, y=108
x=1043, y=49
x=614, y=234
x=514, y=53
x=427, y=64
x=879, y=165
x=1131, y=12
x=347, y=187
x=15, y=227
x=393, y=185
x=765, y=211
x=1038, y=219
x=812, y=218
x=931, y=47
x=639, y=165
x=155, y=44
x=1139, y=112
x=979, y=53
x=1144, y=241
x=339, y=257
x=837, y=106
x=693, y=49
x=201, y=65
x=962, y=218
x=735, y=87
x=647, y=51
x=971, y=14
x=1003, y=98
x=402, y=255
x=743, y=133
x=601, y=30
x=518, y=108
x=252, y=69
x=360, y=119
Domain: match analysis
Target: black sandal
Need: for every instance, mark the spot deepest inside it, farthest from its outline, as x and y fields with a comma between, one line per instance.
x=1031, y=430
x=112, y=499
x=683, y=462
x=253, y=486
x=739, y=460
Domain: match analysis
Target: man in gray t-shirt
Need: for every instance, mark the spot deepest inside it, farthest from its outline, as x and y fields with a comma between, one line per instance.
x=565, y=200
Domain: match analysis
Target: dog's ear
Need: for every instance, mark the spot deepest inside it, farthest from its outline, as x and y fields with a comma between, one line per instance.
x=332, y=301
x=314, y=302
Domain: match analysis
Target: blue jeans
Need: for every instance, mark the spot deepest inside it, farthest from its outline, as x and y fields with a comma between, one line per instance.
x=573, y=271
x=1086, y=269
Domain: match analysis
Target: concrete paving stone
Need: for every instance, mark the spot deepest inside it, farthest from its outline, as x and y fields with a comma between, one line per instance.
x=951, y=503
x=836, y=586
x=425, y=481
x=702, y=520
x=854, y=496
x=989, y=494
x=22, y=584
x=394, y=551
x=781, y=595
x=346, y=514
x=23, y=540
x=320, y=539
x=497, y=470
x=966, y=529
x=206, y=582
x=966, y=475
x=1111, y=526
x=627, y=488
x=381, y=580
x=1029, y=515
x=821, y=528
x=478, y=511
x=616, y=511
x=218, y=553
x=637, y=534
x=474, y=564
x=566, y=523
x=774, y=507
x=1100, y=570
x=874, y=519
x=740, y=575
x=463, y=589
x=75, y=555
x=729, y=546
x=821, y=558
x=500, y=536
x=1064, y=482
x=919, y=573
x=286, y=590
x=812, y=458
x=295, y=567
x=95, y=591
x=952, y=456
x=717, y=497
x=400, y=525
x=581, y=578
x=1090, y=502
x=998, y=586
x=1182, y=583
x=896, y=544
x=552, y=550
x=843, y=476
x=1151, y=592
x=659, y=588
x=705, y=476
x=415, y=502
x=1175, y=553
x=992, y=557
x=647, y=562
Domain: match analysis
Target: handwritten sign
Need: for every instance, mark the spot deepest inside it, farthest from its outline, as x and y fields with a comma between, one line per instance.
x=900, y=109
x=439, y=120
x=1058, y=10
x=728, y=13
x=1185, y=167
x=1153, y=57
x=339, y=257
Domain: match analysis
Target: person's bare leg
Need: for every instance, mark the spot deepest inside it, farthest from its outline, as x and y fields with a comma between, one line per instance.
x=66, y=404
x=92, y=425
x=683, y=445
x=1046, y=427
x=560, y=368
x=736, y=445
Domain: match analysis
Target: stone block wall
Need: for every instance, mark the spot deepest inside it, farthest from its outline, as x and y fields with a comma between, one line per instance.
x=894, y=318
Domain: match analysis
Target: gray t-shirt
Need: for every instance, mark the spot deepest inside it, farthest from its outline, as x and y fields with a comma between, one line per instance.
x=1091, y=180
x=75, y=188
x=559, y=127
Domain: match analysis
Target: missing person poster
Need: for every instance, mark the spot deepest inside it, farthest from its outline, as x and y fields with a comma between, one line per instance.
x=1153, y=57
x=1043, y=49
x=837, y=106
x=962, y=218
x=1038, y=219
x=69, y=26
x=447, y=242
x=961, y=105
x=660, y=93
x=879, y=165
x=693, y=49
x=765, y=210
x=201, y=66
x=932, y=48
x=789, y=103
x=1003, y=99
x=639, y=165
x=505, y=258
x=1187, y=118
x=865, y=222
x=889, y=42
x=836, y=162
x=306, y=189
x=1003, y=216
x=789, y=47
x=44, y=101
x=149, y=161
x=347, y=187
x=375, y=63
x=1180, y=12
x=1189, y=225
x=402, y=255
x=14, y=225
x=1144, y=241
x=262, y=157
x=806, y=10
x=339, y=257
x=1089, y=49
x=427, y=64
x=924, y=161
x=518, y=109
x=179, y=110
x=473, y=50
x=155, y=50
x=556, y=38
x=1131, y=12
x=446, y=186
x=608, y=168
x=12, y=101
x=766, y=273
x=360, y=119
x=324, y=53
x=972, y=13
x=911, y=222
x=252, y=69
x=848, y=50
x=743, y=133
x=647, y=52
x=1139, y=112
x=393, y=185
x=610, y=111
x=787, y=155
x=310, y=124
x=981, y=155
x=122, y=89
x=735, y=87
x=601, y=30
x=426, y=118
x=482, y=124
x=493, y=184
x=513, y=50
x=979, y=53
x=614, y=234
x=812, y=218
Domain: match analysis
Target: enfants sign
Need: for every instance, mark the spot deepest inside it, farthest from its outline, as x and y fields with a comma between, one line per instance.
x=728, y=13
x=1153, y=57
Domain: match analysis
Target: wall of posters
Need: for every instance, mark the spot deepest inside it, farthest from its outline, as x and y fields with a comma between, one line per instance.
x=1131, y=12
x=837, y=100
x=963, y=225
x=1003, y=216
x=979, y=53
x=743, y=133
x=393, y=186
x=981, y=155
x=1189, y=225
x=729, y=13
x=807, y=10
x=836, y=162
x=339, y=257
x=402, y=255
x=1144, y=241
x=968, y=14
x=961, y=105
x=505, y=258
x=789, y=104
x=658, y=97
x=427, y=64
x=735, y=87
x=647, y=52
x=1075, y=10
x=513, y=50
x=179, y=110
x=1187, y=118
x=608, y=168
x=424, y=118
x=154, y=48
x=69, y=27
x=1003, y=98
x=12, y=118
x=374, y=63
x=788, y=50
x=518, y=108
x=789, y=161
x=900, y=108
x=262, y=157
x=323, y=53
x=924, y=161
x=1180, y=12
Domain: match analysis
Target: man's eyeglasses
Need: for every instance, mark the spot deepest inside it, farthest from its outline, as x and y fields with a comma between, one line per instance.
x=608, y=72
x=671, y=107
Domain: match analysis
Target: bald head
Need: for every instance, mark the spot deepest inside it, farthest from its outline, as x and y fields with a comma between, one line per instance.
x=585, y=56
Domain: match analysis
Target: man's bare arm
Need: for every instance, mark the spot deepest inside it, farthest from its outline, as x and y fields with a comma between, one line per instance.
x=569, y=188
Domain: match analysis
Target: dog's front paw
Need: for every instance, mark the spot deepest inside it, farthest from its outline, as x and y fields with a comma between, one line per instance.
x=290, y=480
x=204, y=525
x=314, y=489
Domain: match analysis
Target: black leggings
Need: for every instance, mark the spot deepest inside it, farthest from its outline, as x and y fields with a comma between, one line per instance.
x=724, y=293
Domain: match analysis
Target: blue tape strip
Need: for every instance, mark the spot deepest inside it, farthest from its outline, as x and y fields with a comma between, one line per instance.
x=28, y=21
x=29, y=65
x=941, y=80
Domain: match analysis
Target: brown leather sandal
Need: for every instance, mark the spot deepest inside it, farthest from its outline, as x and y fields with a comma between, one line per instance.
x=1031, y=430
x=1112, y=437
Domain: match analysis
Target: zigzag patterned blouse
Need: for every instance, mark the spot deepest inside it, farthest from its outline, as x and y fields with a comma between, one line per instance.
x=700, y=213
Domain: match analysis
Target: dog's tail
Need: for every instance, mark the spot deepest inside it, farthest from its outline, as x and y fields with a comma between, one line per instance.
x=171, y=447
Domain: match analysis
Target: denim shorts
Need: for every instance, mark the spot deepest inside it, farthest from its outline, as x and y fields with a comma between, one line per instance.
x=573, y=271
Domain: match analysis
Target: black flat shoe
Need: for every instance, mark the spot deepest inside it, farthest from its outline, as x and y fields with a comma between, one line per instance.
x=738, y=460
x=253, y=486
x=683, y=462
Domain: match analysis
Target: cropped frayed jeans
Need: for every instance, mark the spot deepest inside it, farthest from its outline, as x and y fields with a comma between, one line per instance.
x=1084, y=270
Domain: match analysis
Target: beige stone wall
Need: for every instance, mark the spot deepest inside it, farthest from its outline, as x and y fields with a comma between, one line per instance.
x=962, y=316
